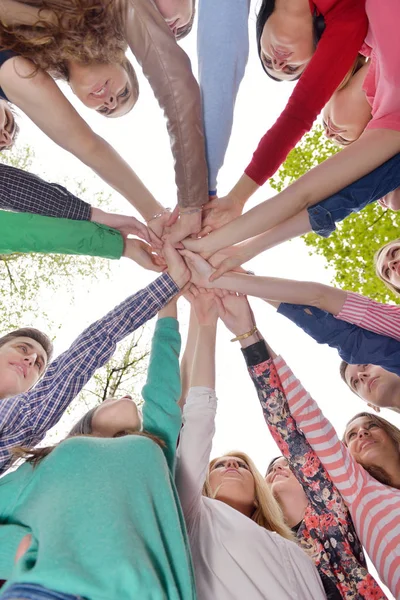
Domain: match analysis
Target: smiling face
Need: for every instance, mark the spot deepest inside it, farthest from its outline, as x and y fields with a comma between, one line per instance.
x=115, y=415
x=388, y=263
x=232, y=482
x=370, y=444
x=374, y=385
x=22, y=363
x=281, y=478
x=287, y=45
x=177, y=13
x=8, y=126
x=348, y=112
x=107, y=88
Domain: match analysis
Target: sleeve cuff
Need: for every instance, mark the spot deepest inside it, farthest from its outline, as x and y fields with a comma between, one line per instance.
x=256, y=353
x=321, y=220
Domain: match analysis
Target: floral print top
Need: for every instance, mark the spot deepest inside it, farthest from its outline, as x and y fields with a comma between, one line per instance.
x=327, y=531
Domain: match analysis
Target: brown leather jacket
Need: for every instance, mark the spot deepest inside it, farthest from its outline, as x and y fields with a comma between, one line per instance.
x=168, y=69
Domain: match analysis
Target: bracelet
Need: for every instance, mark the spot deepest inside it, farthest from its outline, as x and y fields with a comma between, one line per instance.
x=160, y=214
x=191, y=211
x=243, y=336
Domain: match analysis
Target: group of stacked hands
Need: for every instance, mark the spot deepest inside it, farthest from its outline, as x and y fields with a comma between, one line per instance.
x=158, y=520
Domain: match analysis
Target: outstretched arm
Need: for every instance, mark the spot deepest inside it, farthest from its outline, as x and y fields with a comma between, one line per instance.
x=199, y=411
x=42, y=101
x=222, y=32
x=372, y=149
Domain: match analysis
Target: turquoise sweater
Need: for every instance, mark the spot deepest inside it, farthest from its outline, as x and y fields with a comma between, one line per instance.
x=104, y=513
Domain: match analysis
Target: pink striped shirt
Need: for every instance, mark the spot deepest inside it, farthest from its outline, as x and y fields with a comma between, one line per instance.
x=374, y=507
x=366, y=313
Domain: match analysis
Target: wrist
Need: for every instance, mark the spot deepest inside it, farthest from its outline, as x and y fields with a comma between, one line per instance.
x=252, y=339
x=243, y=190
x=98, y=216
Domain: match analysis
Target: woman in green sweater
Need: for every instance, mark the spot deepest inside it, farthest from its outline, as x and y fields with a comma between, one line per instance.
x=102, y=509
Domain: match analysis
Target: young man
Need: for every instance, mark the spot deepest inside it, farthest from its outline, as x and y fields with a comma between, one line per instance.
x=27, y=412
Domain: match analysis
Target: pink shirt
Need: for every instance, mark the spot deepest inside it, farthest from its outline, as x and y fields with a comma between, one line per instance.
x=382, y=82
x=374, y=507
x=364, y=312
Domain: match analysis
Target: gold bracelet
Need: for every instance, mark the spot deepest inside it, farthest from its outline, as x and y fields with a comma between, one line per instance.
x=243, y=336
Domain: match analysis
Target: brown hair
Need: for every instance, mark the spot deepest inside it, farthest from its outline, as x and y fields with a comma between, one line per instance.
x=267, y=512
x=83, y=428
x=390, y=286
x=85, y=31
x=29, y=332
x=394, y=434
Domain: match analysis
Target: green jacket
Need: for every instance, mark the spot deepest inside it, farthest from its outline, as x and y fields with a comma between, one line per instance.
x=24, y=232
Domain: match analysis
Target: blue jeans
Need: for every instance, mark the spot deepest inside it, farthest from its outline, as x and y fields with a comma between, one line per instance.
x=355, y=197
x=30, y=591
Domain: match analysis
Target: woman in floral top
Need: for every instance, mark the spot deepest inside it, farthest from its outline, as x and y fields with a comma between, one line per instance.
x=325, y=528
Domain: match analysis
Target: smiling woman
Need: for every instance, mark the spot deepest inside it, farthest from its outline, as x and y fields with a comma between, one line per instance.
x=8, y=126
x=387, y=265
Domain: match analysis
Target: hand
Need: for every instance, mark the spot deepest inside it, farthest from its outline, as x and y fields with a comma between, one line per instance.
x=205, y=305
x=200, y=269
x=236, y=313
x=221, y=211
x=158, y=224
x=177, y=267
x=228, y=259
x=23, y=547
x=126, y=225
x=391, y=200
x=182, y=225
x=143, y=255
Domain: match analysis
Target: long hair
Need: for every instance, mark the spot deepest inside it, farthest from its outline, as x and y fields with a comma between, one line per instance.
x=393, y=432
x=266, y=9
x=390, y=286
x=267, y=512
x=83, y=428
x=85, y=31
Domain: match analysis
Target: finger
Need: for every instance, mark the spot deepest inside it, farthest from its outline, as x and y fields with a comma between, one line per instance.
x=218, y=292
x=173, y=217
x=211, y=204
x=205, y=231
x=223, y=268
x=154, y=239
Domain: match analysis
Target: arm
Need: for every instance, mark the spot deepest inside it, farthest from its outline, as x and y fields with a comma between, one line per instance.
x=21, y=191
x=10, y=539
x=187, y=357
x=199, y=411
x=359, y=310
x=24, y=232
x=354, y=344
x=167, y=67
x=222, y=32
x=43, y=102
x=25, y=419
x=161, y=412
x=373, y=148
x=13, y=12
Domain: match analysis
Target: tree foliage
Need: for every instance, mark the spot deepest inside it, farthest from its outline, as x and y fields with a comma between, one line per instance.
x=350, y=249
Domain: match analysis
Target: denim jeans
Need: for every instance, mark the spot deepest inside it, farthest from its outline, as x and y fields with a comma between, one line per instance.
x=29, y=591
x=355, y=197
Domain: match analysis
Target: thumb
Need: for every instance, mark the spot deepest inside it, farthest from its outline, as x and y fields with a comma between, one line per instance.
x=223, y=268
x=211, y=204
x=174, y=216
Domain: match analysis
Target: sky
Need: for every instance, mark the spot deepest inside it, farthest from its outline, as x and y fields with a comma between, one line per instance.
x=141, y=138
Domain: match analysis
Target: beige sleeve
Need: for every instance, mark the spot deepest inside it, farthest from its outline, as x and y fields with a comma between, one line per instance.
x=168, y=69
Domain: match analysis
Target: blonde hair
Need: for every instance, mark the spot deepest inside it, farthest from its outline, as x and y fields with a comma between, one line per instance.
x=267, y=512
x=394, y=434
x=358, y=63
x=389, y=285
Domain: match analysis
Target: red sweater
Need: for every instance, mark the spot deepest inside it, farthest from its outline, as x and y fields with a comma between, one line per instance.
x=345, y=29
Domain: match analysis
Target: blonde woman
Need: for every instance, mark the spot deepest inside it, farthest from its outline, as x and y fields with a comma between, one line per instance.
x=84, y=43
x=241, y=547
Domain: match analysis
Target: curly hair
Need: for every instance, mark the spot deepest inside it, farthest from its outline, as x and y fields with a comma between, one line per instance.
x=84, y=31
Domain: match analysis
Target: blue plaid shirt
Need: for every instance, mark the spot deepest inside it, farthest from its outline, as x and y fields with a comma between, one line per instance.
x=25, y=419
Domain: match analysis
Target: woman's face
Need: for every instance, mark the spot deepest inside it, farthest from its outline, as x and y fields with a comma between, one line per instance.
x=348, y=112
x=115, y=415
x=232, y=481
x=8, y=126
x=373, y=384
x=281, y=479
x=369, y=444
x=388, y=264
x=177, y=13
x=286, y=48
x=103, y=87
